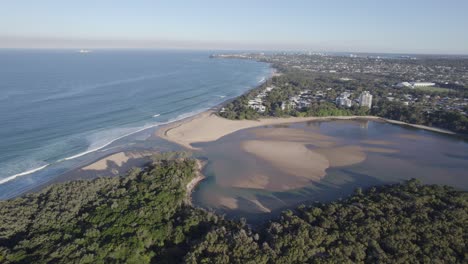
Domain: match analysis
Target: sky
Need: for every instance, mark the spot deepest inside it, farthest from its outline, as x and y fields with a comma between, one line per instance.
x=396, y=26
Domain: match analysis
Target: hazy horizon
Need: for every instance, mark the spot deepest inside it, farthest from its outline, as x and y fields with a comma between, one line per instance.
x=416, y=27
x=215, y=50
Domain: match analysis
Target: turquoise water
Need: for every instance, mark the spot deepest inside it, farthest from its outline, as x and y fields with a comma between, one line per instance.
x=58, y=108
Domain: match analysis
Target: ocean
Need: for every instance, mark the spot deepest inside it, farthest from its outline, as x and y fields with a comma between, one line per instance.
x=58, y=108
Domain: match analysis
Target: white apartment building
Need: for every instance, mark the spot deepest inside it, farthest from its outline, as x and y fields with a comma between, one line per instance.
x=343, y=100
x=365, y=99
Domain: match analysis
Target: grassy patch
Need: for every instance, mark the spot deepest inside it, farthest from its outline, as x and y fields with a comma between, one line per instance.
x=433, y=89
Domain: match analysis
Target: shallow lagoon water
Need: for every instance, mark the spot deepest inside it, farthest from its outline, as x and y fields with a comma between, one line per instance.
x=242, y=184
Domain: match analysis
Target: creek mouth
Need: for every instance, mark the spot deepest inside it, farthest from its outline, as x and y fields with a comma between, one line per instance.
x=258, y=172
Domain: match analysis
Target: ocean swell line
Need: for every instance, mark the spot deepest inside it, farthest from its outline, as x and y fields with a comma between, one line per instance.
x=182, y=116
x=108, y=143
x=7, y=179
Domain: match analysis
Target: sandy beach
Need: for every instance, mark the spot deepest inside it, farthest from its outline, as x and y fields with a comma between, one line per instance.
x=207, y=126
x=116, y=160
x=301, y=156
x=276, y=157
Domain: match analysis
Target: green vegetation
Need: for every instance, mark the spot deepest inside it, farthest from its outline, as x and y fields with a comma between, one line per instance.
x=292, y=82
x=433, y=89
x=407, y=223
x=453, y=121
x=142, y=218
x=238, y=109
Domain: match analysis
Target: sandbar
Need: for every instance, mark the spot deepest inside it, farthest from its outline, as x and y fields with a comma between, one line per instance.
x=290, y=157
x=207, y=127
x=103, y=164
x=343, y=156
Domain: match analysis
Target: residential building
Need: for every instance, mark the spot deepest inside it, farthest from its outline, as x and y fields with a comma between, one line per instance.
x=343, y=100
x=415, y=84
x=422, y=84
x=403, y=84
x=365, y=99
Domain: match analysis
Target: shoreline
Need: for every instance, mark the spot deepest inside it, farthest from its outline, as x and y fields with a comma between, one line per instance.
x=176, y=131
x=209, y=127
x=195, y=181
x=273, y=72
x=423, y=127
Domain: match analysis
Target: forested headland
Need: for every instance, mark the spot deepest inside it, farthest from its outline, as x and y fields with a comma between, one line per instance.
x=143, y=217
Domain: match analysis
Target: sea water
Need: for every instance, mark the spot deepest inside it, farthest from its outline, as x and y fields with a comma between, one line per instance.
x=59, y=106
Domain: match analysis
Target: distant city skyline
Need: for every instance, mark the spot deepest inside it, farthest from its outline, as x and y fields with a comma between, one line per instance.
x=430, y=27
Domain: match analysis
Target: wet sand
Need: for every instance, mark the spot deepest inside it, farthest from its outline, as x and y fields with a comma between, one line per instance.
x=194, y=182
x=255, y=181
x=290, y=157
x=261, y=170
x=207, y=126
x=116, y=160
x=228, y=202
x=377, y=142
x=343, y=156
x=295, y=135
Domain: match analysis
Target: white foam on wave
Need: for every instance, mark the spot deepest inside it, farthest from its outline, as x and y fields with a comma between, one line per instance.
x=101, y=146
x=104, y=143
x=98, y=147
x=7, y=179
x=107, y=143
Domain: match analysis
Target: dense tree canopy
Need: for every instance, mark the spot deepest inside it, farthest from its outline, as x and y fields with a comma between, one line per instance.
x=407, y=223
x=140, y=218
x=143, y=218
x=293, y=81
x=412, y=114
